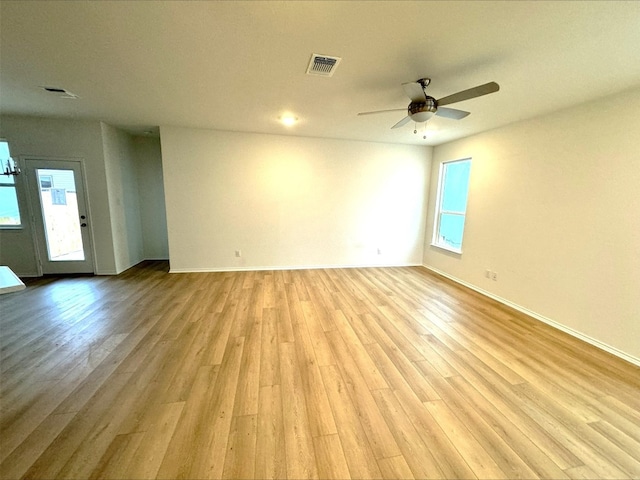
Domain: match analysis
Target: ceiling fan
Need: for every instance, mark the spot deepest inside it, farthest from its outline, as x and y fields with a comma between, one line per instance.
x=423, y=107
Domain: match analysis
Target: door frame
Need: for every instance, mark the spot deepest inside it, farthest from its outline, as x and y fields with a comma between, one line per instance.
x=35, y=208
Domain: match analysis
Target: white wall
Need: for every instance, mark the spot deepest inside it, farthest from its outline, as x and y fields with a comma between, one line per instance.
x=291, y=202
x=122, y=183
x=63, y=139
x=554, y=209
x=153, y=215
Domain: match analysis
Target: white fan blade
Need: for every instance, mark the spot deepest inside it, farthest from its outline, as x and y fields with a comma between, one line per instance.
x=414, y=91
x=470, y=93
x=451, y=113
x=402, y=122
x=384, y=111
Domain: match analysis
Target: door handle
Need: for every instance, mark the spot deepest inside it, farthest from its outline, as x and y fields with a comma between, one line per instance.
x=83, y=224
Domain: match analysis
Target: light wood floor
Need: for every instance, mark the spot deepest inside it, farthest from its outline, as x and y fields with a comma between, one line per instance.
x=346, y=373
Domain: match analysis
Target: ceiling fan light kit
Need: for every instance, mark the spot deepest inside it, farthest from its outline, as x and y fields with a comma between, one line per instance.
x=423, y=107
x=422, y=111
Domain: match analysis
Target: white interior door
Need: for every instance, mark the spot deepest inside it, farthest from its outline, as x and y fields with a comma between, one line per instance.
x=61, y=218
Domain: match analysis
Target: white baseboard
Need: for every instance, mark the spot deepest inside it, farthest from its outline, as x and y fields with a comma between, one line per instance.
x=285, y=267
x=574, y=333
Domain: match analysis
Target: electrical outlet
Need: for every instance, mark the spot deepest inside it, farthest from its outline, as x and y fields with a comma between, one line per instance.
x=379, y=251
x=494, y=276
x=238, y=253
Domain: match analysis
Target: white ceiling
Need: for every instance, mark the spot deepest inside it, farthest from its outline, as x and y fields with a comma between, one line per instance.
x=239, y=65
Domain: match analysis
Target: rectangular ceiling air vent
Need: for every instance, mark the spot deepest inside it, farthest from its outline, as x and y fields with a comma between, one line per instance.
x=61, y=92
x=322, y=65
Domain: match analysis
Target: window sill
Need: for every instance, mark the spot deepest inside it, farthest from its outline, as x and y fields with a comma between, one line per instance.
x=447, y=248
x=11, y=227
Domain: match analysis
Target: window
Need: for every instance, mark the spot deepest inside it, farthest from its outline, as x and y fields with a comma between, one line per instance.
x=453, y=188
x=9, y=211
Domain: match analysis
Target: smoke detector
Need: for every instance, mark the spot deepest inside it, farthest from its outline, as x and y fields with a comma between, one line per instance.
x=322, y=65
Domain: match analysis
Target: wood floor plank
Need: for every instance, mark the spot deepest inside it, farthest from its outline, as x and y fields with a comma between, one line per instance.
x=246, y=400
x=285, y=330
x=386, y=332
x=478, y=459
x=360, y=458
x=124, y=414
x=270, y=458
x=269, y=357
x=191, y=353
x=301, y=461
x=241, y=446
x=94, y=417
x=21, y=458
x=223, y=323
x=494, y=388
x=359, y=353
x=391, y=372
x=582, y=438
x=625, y=417
x=581, y=472
x=400, y=373
x=395, y=467
x=321, y=297
x=491, y=439
x=269, y=285
x=191, y=429
x=416, y=453
x=321, y=422
x=445, y=451
x=116, y=461
x=624, y=445
x=208, y=460
x=323, y=352
x=351, y=308
x=18, y=422
x=150, y=453
x=530, y=452
x=330, y=457
x=380, y=437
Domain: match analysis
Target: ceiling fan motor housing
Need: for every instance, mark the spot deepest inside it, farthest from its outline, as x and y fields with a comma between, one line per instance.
x=422, y=111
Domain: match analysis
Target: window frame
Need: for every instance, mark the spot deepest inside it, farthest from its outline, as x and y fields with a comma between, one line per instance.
x=439, y=212
x=4, y=183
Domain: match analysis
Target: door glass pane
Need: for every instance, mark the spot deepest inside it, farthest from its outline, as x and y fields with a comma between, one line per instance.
x=60, y=214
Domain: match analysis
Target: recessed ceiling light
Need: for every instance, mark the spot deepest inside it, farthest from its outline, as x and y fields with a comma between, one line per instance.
x=288, y=120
